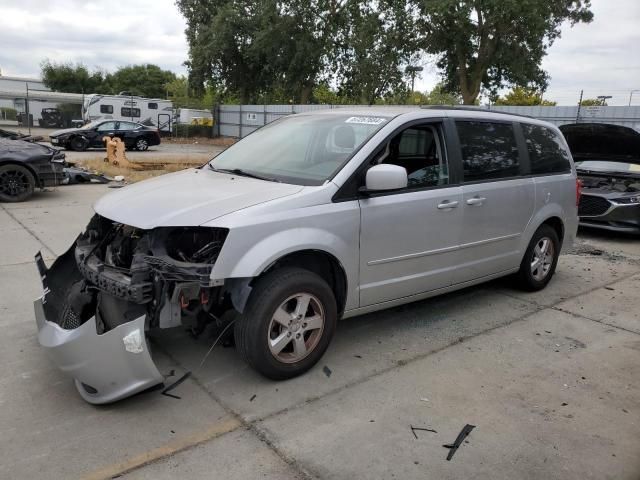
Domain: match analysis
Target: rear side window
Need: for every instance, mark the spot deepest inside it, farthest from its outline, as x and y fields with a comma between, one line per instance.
x=547, y=153
x=130, y=112
x=489, y=150
x=106, y=109
x=152, y=106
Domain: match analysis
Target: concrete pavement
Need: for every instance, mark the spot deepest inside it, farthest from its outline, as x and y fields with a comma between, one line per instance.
x=502, y=360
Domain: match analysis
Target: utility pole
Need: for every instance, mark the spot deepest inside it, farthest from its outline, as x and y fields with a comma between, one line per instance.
x=579, y=106
x=26, y=107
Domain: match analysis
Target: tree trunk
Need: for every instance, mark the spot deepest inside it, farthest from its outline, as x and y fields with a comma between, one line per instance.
x=305, y=93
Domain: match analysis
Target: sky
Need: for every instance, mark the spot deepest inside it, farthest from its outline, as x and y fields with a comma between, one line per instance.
x=601, y=58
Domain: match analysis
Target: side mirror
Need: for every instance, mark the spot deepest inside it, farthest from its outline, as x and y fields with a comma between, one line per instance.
x=385, y=177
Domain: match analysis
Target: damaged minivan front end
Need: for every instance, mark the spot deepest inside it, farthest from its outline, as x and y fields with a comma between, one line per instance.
x=112, y=286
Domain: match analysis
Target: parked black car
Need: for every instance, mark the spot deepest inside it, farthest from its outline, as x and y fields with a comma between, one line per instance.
x=134, y=135
x=608, y=163
x=25, y=166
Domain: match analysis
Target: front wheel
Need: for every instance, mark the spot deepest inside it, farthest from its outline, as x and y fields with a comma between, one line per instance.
x=16, y=183
x=142, y=144
x=540, y=259
x=79, y=144
x=287, y=324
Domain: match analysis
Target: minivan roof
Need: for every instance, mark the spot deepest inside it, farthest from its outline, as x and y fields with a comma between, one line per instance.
x=427, y=111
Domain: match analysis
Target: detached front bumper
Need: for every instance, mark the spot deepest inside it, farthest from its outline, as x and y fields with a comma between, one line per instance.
x=105, y=367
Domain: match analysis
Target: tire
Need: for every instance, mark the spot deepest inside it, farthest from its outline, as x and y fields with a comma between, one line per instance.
x=142, y=144
x=280, y=294
x=17, y=183
x=534, y=279
x=79, y=144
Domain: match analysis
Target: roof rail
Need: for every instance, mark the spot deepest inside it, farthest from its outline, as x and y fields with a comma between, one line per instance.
x=471, y=109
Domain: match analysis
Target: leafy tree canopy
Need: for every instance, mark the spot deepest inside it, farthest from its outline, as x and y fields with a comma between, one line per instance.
x=272, y=50
x=593, y=102
x=523, y=96
x=71, y=77
x=487, y=44
x=144, y=80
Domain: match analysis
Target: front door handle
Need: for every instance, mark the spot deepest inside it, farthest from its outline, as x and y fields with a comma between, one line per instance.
x=476, y=201
x=446, y=204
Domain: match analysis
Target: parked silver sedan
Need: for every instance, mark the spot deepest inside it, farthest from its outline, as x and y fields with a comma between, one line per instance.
x=315, y=217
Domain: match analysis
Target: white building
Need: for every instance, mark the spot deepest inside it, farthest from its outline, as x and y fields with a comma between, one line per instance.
x=14, y=92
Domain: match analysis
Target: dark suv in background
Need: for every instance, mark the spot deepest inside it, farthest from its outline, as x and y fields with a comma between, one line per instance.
x=134, y=135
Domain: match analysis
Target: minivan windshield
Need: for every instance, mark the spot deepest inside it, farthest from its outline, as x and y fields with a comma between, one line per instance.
x=300, y=149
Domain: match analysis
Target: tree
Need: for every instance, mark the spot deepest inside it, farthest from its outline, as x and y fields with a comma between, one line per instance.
x=71, y=78
x=593, y=102
x=440, y=96
x=144, y=80
x=281, y=50
x=325, y=95
x=492, y=43
x=523, y=96
x=258, y=49
x=378, y=41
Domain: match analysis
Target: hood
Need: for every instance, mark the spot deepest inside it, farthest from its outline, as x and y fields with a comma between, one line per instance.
x=57, y=133
x=20, y=150
x=598, y=167
x=187, y=198
x=602, y=142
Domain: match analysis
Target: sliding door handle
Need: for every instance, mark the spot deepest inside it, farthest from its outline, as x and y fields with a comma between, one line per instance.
x=446, y=205
x=476, y=201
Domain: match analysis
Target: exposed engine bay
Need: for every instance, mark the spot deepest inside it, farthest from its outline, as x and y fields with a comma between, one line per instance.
x=114, y=284
x=125, y=272
x=613, y=184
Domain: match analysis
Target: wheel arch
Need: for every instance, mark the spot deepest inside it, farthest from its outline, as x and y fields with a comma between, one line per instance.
x=323, y=264
x=557, y=224
x=25, y=165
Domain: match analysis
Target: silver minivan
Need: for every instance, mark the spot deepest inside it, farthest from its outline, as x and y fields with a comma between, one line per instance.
x=312, y=218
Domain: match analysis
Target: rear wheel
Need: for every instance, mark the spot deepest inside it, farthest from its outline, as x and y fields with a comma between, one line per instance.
x=79, y=144
x=540, y=259
x=17, y=183
x=142, y=144
x=287, y=324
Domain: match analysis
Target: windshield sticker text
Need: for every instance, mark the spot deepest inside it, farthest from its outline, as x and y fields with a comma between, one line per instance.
x=365, y=120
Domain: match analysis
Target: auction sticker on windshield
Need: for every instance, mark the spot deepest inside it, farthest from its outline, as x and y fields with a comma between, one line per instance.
x=365, y=120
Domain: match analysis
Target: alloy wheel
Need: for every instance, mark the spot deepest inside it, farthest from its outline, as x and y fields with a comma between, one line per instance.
x=142, y=144
x=296, y=328
x=543, y=256
x=14, y=183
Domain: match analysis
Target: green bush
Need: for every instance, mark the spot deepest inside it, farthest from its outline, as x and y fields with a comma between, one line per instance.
x=183, y=130
x=7, y=113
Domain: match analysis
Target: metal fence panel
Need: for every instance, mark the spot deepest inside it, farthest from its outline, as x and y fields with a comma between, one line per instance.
x=240, y=120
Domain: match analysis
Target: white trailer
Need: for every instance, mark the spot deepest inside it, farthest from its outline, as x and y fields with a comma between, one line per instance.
x=148, y=111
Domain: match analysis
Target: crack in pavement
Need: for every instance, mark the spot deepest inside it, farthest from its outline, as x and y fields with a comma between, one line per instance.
x=248, y=425
x=304, y=471
x=601, y=322
x=29, y=231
